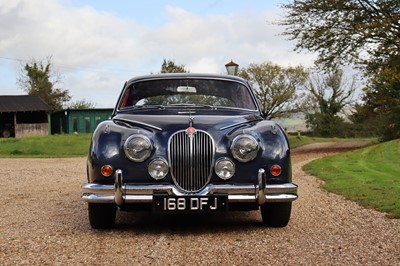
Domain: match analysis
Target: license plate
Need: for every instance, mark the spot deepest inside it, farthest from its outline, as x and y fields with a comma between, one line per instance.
x=163, y=203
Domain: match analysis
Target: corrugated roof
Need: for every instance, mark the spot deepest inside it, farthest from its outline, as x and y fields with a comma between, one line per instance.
x=22, y=103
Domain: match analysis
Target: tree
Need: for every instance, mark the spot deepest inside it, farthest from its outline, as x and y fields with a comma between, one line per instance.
x=276, y=87
x=366, y=122
x=82, y=104
x=346, y=31
x=39, y=79
x=328, y=95
x=363, y=32
x=169, y=66
x=382, y=101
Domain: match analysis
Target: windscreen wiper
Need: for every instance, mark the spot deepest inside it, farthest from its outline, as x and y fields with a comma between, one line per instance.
x=192, y=105
x=142, y=107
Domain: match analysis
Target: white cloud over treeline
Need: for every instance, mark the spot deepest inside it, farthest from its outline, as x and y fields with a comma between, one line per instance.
x=96, y=51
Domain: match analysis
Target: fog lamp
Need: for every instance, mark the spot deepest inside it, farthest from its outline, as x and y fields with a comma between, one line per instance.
x=224, y=168
x=158, y=169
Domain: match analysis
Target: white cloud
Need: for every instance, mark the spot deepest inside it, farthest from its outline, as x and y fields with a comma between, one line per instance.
x=103, y=88
x=98, y=51
x=205, y=65
x=244, y=37
x=80, y=36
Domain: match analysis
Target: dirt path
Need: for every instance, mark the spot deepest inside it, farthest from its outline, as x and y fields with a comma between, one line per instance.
x=330, y=146
x=43, y=221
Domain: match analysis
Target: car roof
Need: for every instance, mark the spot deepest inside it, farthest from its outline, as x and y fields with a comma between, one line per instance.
x=187, y=76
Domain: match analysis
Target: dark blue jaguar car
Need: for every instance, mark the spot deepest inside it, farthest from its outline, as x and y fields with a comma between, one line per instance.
x=188, y=143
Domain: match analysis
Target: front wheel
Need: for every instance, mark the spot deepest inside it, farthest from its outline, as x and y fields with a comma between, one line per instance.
x=102, y=215
x=276, y=214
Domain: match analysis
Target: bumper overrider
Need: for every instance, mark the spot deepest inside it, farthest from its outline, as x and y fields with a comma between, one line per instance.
x=123, y=193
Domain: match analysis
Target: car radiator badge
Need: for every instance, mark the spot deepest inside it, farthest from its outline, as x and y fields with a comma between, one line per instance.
x=190, y=131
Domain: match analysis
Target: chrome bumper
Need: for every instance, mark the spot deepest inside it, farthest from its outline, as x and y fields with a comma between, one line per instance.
x=121, y=193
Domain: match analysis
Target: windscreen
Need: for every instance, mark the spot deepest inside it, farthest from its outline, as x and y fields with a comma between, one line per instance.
x=218, y=93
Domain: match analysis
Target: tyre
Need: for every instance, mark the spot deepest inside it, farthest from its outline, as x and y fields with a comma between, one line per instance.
x=102, y=215
x=6, y=133
x=276, y=214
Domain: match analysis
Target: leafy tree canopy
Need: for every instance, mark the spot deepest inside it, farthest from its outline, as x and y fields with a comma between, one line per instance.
x=364, y=32
x=328, y=94
x=37, y=78
x=361, y=32
x=169, y=66
x=276, y=87
x=382, y=101
x=81, y=104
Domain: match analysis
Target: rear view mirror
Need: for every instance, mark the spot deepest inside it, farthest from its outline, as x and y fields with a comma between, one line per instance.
x=186, y=89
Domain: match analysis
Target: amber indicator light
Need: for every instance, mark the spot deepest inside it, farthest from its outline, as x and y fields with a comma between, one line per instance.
x=106, y=170
x=275, y=170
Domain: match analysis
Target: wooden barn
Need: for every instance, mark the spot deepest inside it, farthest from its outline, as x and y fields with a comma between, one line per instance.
x=23, y=115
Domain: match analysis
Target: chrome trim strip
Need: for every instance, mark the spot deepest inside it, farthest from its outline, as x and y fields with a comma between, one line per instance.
x=95, y=198
x=119, y=188
x=261, y=186
x=139, y=123
x=239, y=123
x=287, y=188
x=281, y=198
x=89, y=188
x=132, y=81
x=139, y=198
x=93, y=188
x=242, y=198
x=121, y=193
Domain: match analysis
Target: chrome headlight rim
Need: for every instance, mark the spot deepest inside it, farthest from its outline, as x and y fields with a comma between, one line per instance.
x=219, y=161
x=162, y=160
x=234, y=146
x=147, y=154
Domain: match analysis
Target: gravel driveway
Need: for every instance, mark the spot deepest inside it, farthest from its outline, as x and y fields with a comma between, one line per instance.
x=43, y=221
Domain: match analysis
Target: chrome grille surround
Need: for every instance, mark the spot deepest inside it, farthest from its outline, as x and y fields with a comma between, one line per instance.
x=191, y=160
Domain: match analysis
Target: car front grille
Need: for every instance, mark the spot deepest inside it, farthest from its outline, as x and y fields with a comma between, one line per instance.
x=191, y=159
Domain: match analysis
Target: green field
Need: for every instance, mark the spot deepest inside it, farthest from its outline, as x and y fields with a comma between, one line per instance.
x=370, y=176
x=46, y=146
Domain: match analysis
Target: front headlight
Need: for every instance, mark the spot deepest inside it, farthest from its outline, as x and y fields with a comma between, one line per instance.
x=224, y=168
x=244, y=148
x=158, y=169
x=138, y=148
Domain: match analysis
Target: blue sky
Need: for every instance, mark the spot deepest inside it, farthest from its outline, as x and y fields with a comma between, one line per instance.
x=152, y=12
x=97, y=45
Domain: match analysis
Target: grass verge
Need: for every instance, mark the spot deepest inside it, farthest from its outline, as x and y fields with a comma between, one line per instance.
x=46, y=146
x=304, y=140
x=370, y=176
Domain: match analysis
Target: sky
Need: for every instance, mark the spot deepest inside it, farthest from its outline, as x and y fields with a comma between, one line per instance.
x=97, y=45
